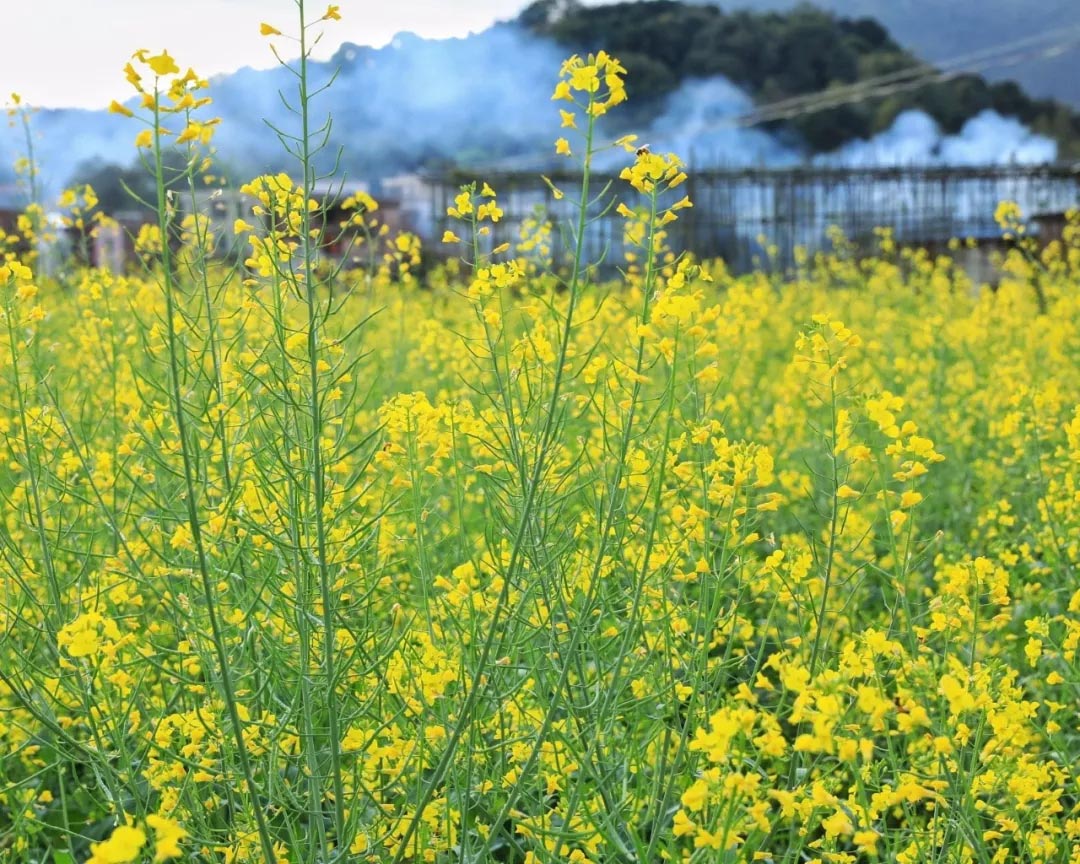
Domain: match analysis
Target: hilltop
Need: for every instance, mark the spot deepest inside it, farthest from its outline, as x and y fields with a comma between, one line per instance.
x=963, y=26
x=483, y=100
x=775, y=55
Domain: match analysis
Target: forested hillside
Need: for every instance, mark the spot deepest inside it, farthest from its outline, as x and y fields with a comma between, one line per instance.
x=777, y=55
x=938, y=30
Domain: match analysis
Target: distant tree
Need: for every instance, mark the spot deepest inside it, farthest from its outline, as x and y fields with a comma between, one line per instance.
x=647, y=77
x=811, y=53
x=1062, y=125
x=827, y=130
x=871, y=35
x=1008, y=98
x=775, y=56
x=109, y=180
x=120, y=187
x=543, y=12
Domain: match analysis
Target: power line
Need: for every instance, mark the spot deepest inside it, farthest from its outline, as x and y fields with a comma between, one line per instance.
x=918, y=75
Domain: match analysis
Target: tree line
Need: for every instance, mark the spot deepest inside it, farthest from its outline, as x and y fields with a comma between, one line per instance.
x=777, y=55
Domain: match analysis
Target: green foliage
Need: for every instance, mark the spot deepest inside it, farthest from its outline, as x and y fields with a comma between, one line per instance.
x=775, y=56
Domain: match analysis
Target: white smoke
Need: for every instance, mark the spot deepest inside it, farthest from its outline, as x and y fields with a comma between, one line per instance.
x=696, y=124
x=414, y=103
x=484, y=101
x=915, y=139
x=699, y=122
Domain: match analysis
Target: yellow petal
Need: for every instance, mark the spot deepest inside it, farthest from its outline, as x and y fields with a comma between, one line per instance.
x=163, y=64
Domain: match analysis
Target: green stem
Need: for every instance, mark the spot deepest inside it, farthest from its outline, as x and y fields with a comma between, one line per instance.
x=480, y=681
x=208, y=589
x=830, y=554
x=55, y=595
x=329, y=610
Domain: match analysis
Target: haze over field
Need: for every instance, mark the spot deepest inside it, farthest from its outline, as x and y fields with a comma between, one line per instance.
x=424, y=104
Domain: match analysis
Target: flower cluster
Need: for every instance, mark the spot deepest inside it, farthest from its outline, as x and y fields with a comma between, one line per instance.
x=489, y=562
x=170, y=93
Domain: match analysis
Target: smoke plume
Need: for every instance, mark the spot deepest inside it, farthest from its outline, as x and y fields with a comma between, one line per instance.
x=484, y=101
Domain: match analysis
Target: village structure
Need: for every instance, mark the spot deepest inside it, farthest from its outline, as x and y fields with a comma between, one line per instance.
x=751, y=218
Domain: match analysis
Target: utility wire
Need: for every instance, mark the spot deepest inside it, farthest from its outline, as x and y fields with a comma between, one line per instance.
x=917, y=75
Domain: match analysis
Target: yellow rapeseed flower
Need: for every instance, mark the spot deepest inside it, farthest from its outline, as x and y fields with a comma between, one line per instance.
x=163, y=64
x=167, y=836
x=122, y=847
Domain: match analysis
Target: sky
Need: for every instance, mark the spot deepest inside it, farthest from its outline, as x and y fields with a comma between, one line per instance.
x=70, y=53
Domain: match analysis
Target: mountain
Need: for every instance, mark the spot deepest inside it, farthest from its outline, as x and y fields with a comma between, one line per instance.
x=777, y=55
x=484, y=100
x=938, y=30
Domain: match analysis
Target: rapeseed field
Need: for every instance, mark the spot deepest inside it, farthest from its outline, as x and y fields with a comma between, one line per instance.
x=509, y=560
